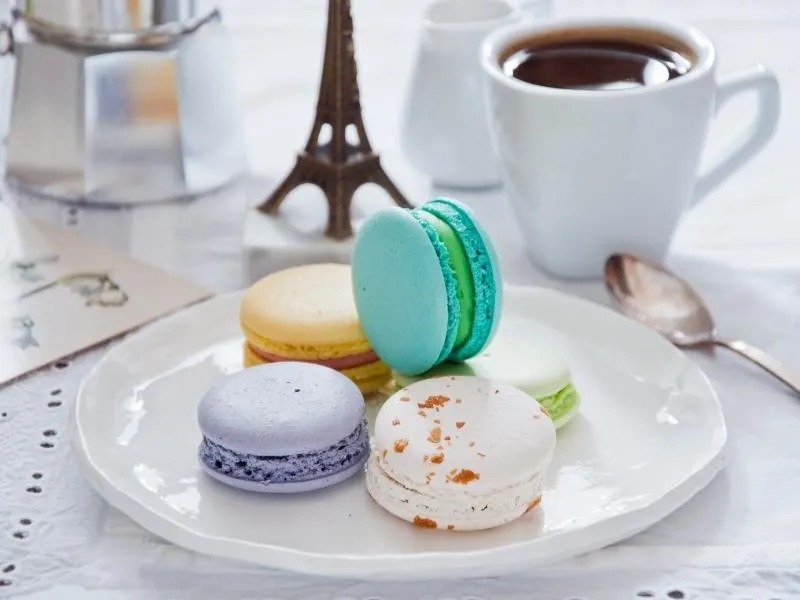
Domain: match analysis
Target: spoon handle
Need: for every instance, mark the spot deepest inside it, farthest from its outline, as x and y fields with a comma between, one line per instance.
x=765, y=361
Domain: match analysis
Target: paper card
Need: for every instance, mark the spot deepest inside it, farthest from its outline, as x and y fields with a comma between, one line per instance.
x=60, y=294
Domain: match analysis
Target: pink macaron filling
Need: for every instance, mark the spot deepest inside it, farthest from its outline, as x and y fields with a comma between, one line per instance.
x=339, y=363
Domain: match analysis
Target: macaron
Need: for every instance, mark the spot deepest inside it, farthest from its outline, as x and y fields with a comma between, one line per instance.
x=427, y=285
x=537, y=371
x=459, y=453
x=308, y=314
x=282, y=428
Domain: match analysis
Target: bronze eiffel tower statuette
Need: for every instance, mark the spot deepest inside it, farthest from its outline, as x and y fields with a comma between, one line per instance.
x=338, y=167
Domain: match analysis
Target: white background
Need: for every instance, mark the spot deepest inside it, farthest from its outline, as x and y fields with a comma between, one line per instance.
x=738, y=539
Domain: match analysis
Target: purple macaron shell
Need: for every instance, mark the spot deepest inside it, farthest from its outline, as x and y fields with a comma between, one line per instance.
x=283, y=427
x=293, y=487
x=281, y=408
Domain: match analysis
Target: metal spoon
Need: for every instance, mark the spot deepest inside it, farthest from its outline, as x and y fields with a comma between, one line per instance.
x=649, y=293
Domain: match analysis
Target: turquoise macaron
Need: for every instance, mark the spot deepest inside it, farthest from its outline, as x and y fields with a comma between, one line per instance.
x=427, y=285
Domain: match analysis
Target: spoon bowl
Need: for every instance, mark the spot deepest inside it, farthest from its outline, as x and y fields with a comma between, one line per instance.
x=649, y=293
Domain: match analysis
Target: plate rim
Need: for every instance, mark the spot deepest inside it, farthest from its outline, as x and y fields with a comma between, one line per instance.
x=506, y=559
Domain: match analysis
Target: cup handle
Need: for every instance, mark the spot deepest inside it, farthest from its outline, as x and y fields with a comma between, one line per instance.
x=764, y=82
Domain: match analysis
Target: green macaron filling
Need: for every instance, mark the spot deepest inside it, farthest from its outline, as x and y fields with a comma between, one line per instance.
x=457, y=257
x=561, y=404
x=484, y=272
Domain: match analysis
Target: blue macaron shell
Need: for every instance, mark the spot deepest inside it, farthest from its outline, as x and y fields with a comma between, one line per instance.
x=485, y=269
x=400, y=291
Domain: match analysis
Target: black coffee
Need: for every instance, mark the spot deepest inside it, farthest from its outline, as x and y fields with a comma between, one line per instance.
x=572, y=61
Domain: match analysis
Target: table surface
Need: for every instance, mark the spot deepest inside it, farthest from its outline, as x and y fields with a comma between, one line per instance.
x=740, y=538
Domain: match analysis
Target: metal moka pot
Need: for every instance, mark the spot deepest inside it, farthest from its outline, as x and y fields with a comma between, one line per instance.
x=121, y=101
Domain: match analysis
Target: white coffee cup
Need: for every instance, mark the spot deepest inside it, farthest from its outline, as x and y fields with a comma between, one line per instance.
x=445, y=133
x=593, y=172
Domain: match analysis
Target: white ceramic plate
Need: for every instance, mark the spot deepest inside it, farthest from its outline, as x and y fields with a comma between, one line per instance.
x=650, y=436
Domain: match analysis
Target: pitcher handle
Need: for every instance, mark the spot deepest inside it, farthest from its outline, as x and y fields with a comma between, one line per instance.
x=7, y=48
x=7, y=43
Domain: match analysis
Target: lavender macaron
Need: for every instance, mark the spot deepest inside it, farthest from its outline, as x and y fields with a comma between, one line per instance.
x=282, y=428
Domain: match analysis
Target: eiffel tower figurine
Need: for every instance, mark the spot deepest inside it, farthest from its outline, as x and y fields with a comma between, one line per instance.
x=339, y=167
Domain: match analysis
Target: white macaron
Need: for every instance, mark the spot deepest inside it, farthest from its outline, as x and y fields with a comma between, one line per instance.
x=460, y=453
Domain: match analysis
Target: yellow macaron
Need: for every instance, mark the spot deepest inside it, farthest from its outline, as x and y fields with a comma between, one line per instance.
x=308, y=314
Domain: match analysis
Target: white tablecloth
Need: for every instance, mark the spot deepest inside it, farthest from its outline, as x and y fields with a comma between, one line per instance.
x=738, y=539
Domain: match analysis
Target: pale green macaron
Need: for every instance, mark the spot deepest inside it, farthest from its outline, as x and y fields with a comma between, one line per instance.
x=539, y=372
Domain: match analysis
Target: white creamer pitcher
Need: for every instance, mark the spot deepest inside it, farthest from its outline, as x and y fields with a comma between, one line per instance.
x=445, y=129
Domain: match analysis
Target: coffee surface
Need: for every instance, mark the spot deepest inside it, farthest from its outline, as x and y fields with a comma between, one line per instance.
x=594, y=64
